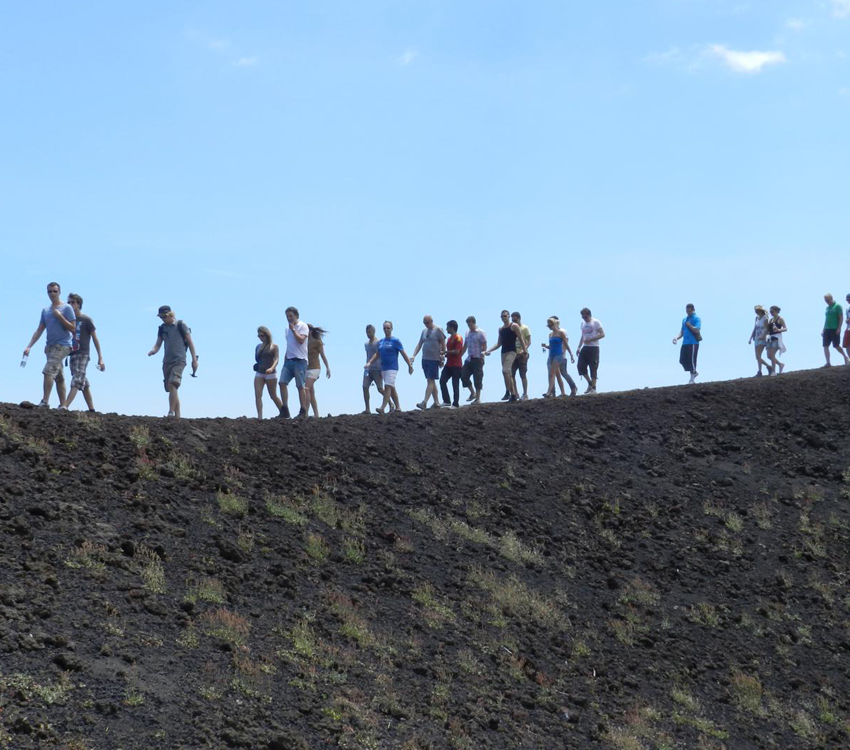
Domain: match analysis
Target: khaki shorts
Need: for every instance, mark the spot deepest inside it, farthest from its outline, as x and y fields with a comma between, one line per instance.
x=508, y=361
x=172, y=374
x=55, y=357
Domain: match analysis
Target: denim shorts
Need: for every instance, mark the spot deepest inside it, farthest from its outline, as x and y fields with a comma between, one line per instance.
x=294, y=368
x=556, y=360
x=431, y=368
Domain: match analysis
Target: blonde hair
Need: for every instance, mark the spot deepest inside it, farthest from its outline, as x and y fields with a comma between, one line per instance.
x=267, y=333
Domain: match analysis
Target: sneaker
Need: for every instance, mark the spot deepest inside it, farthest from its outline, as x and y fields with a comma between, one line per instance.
x=42, y=405
x=471, y=397
x=421, y=405
x=574, y=391
x=781, y=367
x=455, y=406
x=284, y=413
x=591, y=392
x=524, y=397
x=512, y=400
x=694, y=374
x=476, y=400
x=302, y=415
x=437, y=405
x=758, y=374
x=506, y=397
x=61, y=408
x=92, y=411
x=171, y=414
x=547, y=394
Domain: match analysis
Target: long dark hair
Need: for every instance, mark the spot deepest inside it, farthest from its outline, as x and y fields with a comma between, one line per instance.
x=316, y=332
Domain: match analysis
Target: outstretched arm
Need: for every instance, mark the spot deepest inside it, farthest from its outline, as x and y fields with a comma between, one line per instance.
x=35, y=337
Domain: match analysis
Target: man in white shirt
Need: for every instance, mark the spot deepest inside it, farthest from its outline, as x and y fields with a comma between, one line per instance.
x=588, y=349
x=295, y=364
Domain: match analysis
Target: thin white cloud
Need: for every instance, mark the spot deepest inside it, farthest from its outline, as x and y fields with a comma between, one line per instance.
x=841, y=8
x=219, y=45
x=662, y=58
x=246, y=62
x=747, y=62
x=407, y=57
x=796, y=24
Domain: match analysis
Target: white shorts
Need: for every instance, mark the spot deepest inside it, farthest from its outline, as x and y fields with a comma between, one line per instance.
x=388, y=377
x=263, y=376
x=313, y=374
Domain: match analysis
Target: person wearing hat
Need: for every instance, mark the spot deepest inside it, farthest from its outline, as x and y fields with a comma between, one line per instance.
x=177, y=337
x=759, y=338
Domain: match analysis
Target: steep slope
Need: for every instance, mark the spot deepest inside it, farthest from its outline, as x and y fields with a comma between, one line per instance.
x=651, y=569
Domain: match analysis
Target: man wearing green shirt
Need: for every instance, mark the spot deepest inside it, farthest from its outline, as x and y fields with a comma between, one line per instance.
x=832, y=329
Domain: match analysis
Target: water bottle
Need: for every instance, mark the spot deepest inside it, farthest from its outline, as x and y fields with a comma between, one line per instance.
x=24, y=360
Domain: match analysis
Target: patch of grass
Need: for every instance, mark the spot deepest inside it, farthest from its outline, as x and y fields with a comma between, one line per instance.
x=705, y=614
x=184, y=471
x=151, y=569
x=189, y=638
x=231, y=504
x=512, y=598
x=641, y=592
x=133, y=698
x=27, y=688
x=734, y=522
x=353, y=550
x=207, y=590
x=245, y=541
x=89, y=556
x=762, y=514
x=437, y=613
x=352, y=624
x=317, y=548
x=684, y=699
x=227, y=625
x=290, y=511
x=580, y=649
x=140, y=436
x=803, y=725
x=747, y=692
x=146, y=468
x=517, y=551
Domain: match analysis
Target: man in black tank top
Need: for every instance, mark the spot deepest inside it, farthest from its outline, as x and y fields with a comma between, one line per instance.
x=507, y=343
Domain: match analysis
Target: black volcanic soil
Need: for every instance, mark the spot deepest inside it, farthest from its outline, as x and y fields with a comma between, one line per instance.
x=652, y=569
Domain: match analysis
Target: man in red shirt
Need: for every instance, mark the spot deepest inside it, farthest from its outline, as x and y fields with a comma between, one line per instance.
x=454, y=364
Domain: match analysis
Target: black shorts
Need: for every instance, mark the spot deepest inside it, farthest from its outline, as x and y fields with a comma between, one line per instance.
x=830, y=337
x=588, y=357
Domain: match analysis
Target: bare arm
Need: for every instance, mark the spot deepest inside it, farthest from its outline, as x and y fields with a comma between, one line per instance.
x=324, y=359
x=191, y=344
x=300, y=338
x=94, y=338
x=276, y=360
x=600, y=335
x=35, y=337
x=498, y=345
x=408, y=360
x=68, y=325
x=156, y=346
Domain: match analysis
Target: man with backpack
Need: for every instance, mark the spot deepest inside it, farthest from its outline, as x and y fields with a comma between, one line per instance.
x=177, y=337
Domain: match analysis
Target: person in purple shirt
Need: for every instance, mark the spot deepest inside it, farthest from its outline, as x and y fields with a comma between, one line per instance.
x=59, y=321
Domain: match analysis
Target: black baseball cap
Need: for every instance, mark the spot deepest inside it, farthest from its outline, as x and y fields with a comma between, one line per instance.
x=164, y=310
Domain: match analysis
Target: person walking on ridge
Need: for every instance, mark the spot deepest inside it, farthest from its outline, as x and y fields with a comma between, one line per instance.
x=177, y=337
x=59, y=321
x=432, y=342
x=315, y=353
x=557, y=344
x=775, y=346
x=507, y=342
x=84, y=334
x=567, y=351
x=473, y=369
x=832, y=329
x=454, y=365
x=295, y=364
x=588, y=349
x=523, y=348
x=371, y=374
x=389, y=348
x=759, y=339
x=847, y=326
x=267, y=356
x=691, y=334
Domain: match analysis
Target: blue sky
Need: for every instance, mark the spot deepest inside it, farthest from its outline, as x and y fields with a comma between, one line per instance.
x=377, y=160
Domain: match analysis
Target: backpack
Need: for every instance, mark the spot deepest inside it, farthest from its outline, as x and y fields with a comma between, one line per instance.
x=182, y=329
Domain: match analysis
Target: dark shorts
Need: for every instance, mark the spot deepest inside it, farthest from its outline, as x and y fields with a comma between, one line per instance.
x=431, y=368
x=373, y=376
x=172, y=374
x=688, y=357
x=847, y=339
x=830, y=337
x=473, y=372
x=588, y=357
x=520, y=364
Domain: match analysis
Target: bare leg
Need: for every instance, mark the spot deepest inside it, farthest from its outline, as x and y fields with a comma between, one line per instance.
x=304, y=400
x=271, y=385
x=825, y=356
x=366, y=398
x=284, y=395
x=258, y=396
x=842, y=353
x=560, y=380
x=759, y=359
x=48, y=387
x=395, y=398
x=87, y=397
x=311, y=391
x=551, y=390
x=61, y=392
x=71, y=396
x=388, y=392
x=173, y=400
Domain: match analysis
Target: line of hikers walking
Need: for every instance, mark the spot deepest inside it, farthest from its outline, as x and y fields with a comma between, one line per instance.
x=70, y=334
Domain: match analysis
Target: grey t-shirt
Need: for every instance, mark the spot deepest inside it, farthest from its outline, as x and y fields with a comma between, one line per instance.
x=82, y=336
x=371, y=349
x=432, y=341
x=57, y=334
x=175, y=346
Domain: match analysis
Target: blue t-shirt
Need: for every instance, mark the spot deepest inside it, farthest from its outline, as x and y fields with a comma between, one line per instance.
x=56, y=334
x=389, y=348
x=687, y=336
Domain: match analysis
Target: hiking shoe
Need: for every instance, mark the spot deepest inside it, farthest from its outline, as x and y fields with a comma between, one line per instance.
x=758, y=374
x=42, y=405
x=513, y=400
x=421, y=405
x=284, y=413
x=506, y=397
